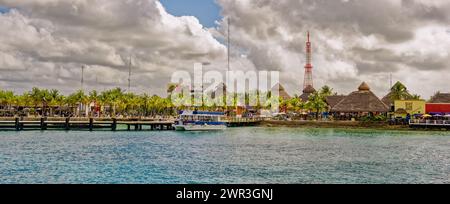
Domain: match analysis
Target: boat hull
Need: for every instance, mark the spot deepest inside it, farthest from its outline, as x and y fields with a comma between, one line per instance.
x=200, y=127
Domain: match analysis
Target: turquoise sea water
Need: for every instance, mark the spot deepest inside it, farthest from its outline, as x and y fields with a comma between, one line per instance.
x=240, y=155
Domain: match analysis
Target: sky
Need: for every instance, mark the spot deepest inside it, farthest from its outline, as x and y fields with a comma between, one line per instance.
x=45, y=42
x=206, y=11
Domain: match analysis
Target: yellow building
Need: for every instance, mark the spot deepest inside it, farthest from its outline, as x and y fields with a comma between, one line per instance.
x=403, y=107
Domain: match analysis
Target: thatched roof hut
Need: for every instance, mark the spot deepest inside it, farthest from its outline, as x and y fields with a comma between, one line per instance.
x=282, y=92
x=441, y=98
x=359, y=101
x=307, y=92
x=334, y=100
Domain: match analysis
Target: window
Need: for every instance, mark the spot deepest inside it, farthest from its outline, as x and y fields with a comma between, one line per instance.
x=409, y=106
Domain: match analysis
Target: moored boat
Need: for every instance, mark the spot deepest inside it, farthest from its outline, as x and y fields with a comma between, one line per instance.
x=200, y=121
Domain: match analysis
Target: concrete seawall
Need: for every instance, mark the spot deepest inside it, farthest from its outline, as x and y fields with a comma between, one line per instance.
x=330, y=124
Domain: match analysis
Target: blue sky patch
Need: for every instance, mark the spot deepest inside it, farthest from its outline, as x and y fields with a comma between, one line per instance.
x=207, y=11
x=3, y=9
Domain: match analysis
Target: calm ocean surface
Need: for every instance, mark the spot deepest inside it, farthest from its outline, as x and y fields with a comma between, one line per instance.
x=241, y=155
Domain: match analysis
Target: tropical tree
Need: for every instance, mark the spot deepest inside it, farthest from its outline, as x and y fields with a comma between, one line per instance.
x=112, y=98
x=316, y=103
x=296, y=104
x=326, y=91
x=416, y=97
x=171, y=88
x=78, y=99
x=399, y=92
x=94, y=97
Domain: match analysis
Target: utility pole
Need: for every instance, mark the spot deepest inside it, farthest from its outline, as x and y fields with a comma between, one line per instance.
x=129, y=75
x=228, y=59
x=228, y=41
x=82, y=77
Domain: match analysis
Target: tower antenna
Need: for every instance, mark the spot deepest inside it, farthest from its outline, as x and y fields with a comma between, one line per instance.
x=308, y=81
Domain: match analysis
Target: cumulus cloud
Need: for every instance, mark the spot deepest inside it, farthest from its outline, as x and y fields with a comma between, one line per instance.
x=353, y=40
x=45, y=42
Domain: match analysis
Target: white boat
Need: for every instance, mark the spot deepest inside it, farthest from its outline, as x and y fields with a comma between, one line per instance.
x=200, y=121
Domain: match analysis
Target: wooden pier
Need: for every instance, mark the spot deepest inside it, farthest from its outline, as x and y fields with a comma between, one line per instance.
x=90, y=124
x=112, y=124
x=430, y=124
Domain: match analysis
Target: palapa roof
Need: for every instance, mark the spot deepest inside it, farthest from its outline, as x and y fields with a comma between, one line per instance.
x=362, y=100
x=309, y=89
x=441, y=98
x=307, y=92
x=334, y=100
x=282, y=92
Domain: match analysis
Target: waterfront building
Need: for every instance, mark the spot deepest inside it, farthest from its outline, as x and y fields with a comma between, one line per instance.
x=360, y=103
x=411, y=107
x=282, y=92
x=332, y=101
x=439, y=104
x=307, y=92
x=283, y=95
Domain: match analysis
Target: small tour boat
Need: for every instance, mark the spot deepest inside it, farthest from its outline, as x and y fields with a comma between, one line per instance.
x=200, y=121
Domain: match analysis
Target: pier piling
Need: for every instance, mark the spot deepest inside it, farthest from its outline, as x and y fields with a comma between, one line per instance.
x=17, y=124
x=42, y=124
x=91, y=124
x=114, y=124
x=67, y=124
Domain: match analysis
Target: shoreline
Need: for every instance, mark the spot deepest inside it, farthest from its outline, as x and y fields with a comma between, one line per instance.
x=153, y=122
x=343, y=124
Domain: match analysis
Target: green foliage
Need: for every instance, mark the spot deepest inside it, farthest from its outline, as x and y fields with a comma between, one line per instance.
x=378, y=118
x=400, y=92
x=117, y=101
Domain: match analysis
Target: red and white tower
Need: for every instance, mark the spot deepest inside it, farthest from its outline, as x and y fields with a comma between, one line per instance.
x=308, y=81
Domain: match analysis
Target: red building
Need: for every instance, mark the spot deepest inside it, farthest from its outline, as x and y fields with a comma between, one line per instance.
x=440, y=103
x=437, y=108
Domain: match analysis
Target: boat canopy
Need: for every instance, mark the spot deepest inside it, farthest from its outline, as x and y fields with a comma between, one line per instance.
x=202, y=113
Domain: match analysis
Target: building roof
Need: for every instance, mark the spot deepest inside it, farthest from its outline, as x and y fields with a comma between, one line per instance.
x=388, y=98
x=282, y=92
x=334, y=100
x=307, y=92
x=362, y=100
x=441, y=98
x=309, y=89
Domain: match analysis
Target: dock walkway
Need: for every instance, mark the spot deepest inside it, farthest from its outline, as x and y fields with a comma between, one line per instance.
x=85, y=124
x=112, y=124
x=443, y=124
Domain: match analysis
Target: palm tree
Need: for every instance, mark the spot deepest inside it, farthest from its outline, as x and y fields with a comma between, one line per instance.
x=171, y=88
x=399, y=92
x=326, y=91
x=54, y=100
x=35, y=95
x=416, y=97
x=94, y=98
x=112, y=98
x=295, y=104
